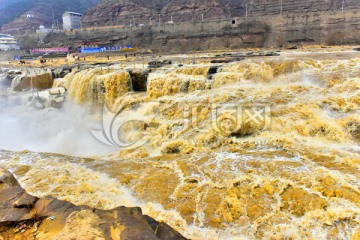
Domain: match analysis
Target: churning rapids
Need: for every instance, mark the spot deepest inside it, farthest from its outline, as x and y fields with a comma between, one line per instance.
x=293, y=174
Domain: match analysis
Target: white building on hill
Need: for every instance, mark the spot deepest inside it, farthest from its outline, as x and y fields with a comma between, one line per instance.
x=71, y=20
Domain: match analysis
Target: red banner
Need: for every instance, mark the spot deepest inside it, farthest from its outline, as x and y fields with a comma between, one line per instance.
x=49, y=50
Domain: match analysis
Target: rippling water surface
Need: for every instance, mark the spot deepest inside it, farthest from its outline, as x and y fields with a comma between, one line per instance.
x=295, y=176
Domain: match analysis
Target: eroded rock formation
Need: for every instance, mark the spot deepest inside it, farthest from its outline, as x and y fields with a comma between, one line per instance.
x=33, y=79
x=110, y=12
x=24, y=216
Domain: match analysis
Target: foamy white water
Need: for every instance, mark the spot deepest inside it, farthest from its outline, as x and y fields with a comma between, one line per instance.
x=296, y=179
x=65, y=130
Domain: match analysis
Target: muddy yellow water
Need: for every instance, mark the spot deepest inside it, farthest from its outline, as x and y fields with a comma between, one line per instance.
x=290, y=170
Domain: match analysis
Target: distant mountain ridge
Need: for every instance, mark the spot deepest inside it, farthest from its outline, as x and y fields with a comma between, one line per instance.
x=5, y=3
x=14, y=13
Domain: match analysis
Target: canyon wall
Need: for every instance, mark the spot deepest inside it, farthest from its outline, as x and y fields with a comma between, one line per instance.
x=120, y=12
x=262, y=31
x=180, y=25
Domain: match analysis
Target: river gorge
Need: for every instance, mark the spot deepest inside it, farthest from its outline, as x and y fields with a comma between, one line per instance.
x=260, y=147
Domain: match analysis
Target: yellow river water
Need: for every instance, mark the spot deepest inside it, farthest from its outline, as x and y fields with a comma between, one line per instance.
x=291, y=174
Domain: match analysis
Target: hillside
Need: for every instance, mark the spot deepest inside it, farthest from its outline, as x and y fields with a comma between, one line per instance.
x=11, y=9
x=13, y=14
x=118, y=12
x=190, y=10
x=112, y=12
x=126, y=12
x=5, y=3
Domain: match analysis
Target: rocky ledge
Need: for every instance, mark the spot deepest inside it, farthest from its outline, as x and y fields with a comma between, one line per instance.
x=23, y=216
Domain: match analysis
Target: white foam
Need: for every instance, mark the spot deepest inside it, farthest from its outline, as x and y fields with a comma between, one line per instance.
x=64, y=131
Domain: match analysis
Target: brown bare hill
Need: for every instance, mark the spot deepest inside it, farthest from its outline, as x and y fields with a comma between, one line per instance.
x=13, y=14
x=120, y=12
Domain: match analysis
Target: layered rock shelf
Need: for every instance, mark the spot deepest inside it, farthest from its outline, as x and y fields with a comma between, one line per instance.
x=23, y=216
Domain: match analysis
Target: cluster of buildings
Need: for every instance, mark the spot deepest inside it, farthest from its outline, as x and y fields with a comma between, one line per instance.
x=71, y=20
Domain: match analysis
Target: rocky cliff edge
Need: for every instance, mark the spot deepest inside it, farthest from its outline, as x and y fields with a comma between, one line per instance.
x=23, y=216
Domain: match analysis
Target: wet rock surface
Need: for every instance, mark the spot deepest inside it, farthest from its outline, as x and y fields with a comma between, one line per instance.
x=159, y=64
x=36, y=79
x=28, y=217
x=61, y=72
x=139, y=79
